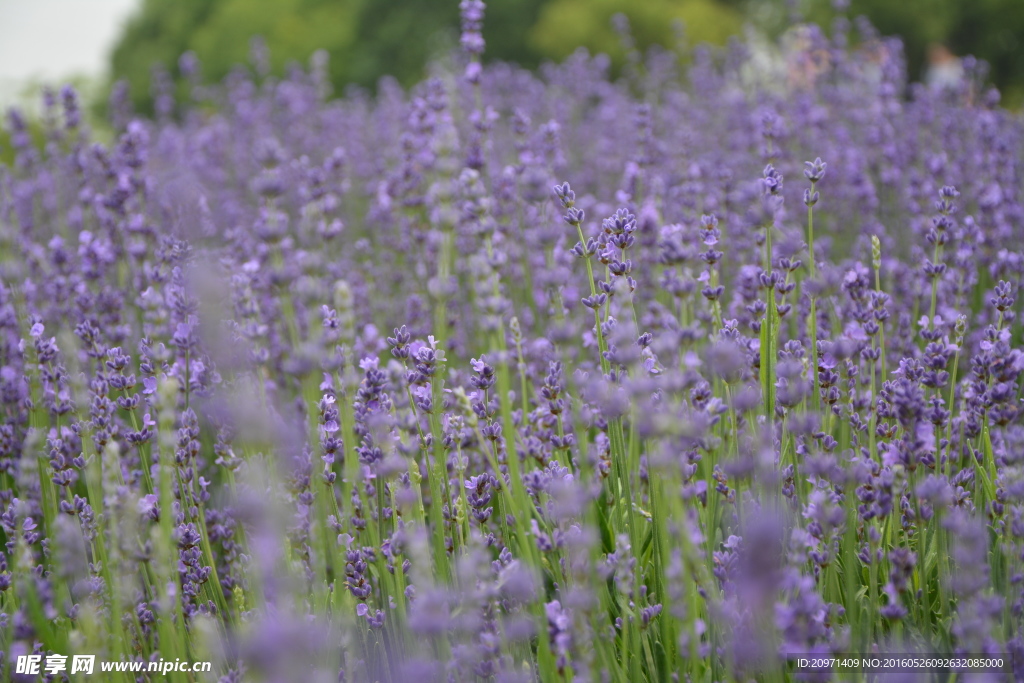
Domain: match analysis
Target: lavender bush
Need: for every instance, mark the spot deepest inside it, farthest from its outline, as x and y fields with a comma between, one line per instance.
x=517, y=376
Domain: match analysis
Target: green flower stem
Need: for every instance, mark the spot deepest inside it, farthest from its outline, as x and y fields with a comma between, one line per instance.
x=769, y=332
x=812, y=320
x=437, y=481
x=881, y=324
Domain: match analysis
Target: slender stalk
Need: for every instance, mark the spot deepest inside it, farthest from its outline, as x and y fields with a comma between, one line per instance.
x=812, y=320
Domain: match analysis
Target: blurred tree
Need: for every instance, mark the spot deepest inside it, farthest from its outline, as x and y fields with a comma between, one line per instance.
x=157, y=34
x=506, y=30
x=293, y=30
x=565, y=25
x=397, y=38
x=365, y=39
x=992, y=30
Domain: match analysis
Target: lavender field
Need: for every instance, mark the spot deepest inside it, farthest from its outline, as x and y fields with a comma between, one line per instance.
x=673, y=376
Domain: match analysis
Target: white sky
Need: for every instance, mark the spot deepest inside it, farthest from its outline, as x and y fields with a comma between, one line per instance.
x=51, y=40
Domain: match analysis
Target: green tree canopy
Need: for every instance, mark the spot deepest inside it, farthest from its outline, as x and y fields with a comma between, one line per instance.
x=565, y=25
x=367, y=39
x=992, y=30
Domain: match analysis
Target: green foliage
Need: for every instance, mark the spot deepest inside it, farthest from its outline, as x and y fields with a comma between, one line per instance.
x=992, y=30
x=36, y=133
x=565, y=25
x=365, y=39
x=507, y=28
x=397, y=38
x=293, y=29
x=158, y=34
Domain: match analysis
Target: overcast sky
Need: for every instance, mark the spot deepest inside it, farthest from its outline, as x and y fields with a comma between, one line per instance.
x=51, y=40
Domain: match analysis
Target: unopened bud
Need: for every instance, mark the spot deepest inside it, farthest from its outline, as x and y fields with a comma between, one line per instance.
x=961, y=327
x=517, y=332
